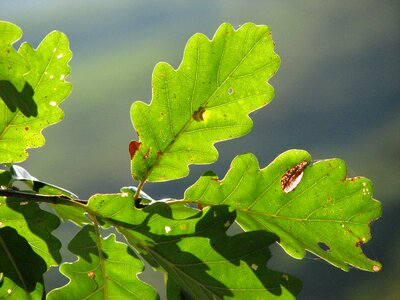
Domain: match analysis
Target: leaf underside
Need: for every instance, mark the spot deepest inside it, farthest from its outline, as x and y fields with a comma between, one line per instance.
x=206, y=100
x=35, y=89
x=326, y=213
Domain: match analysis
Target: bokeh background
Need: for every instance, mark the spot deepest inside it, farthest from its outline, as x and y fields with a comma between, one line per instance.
x=337, y=95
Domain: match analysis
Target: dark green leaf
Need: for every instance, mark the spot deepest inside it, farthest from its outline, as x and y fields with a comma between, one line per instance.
x=22, y=269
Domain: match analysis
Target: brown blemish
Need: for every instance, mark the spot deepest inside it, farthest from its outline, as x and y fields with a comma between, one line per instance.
x=292, y=177
x=133, y=147
x=159, y=154
x=146, y=155
x=198, y=114
x=359, y=243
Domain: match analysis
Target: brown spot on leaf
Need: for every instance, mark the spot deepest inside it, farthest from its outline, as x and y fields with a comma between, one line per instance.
x=292, y=177
x=146, y=155
x=198, y=114
x=133, y=147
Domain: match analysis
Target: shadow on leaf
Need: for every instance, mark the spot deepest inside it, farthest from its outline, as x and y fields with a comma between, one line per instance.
x=205, y=262
x=84, y=244
x=41, y=223
x=18, y=261
x=22, y=100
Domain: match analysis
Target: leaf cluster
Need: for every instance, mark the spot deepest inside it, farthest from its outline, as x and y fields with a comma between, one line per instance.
x=301, y=204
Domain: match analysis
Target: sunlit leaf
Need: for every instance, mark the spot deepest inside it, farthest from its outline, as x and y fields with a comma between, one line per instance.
x=13, y=66
x=206, y=100
x=324, y=213
x=46, y=79
x=192, y=247
x=105, y=269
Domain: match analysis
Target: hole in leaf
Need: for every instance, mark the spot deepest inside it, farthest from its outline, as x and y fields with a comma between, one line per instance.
x=324, y=246
x=230, y=91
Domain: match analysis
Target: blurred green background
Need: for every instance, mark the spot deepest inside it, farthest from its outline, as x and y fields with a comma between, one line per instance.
x=337, y=95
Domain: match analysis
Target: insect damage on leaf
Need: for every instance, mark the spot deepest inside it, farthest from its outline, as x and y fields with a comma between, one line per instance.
x=198, y=115
x=292, y=177
x=133, y=147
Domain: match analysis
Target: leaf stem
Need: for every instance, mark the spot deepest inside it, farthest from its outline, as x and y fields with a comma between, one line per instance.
x=53, y=199
x=100, y=252
x=139, y=188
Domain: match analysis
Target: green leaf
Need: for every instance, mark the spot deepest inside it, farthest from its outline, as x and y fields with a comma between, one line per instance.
x=46, y=77
x=13, y=66
x=21, y=269
x=326, y=213
x=192, y=247
x=34, y=224
x=105, y=269
x=206, y=100
x=71, y=213
x=27, y=247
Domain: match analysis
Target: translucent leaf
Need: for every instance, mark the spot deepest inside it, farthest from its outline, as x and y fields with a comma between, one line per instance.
x=206, y=100
x=71, y=213
x=27, y=248
x=34, y=224
x=46, y=81
x=192, y=247
x=13, y=66
x=21, y=269
x=105, y=269
x=322, y=212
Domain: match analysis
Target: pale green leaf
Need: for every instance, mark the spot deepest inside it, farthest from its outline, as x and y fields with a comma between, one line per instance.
x=13, y=66
x=46, y=77
x=206, y=100
x=105, y=269
x=326, y=213
x=192, y=247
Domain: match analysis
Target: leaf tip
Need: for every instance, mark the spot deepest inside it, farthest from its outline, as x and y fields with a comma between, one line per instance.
x=376, y=268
